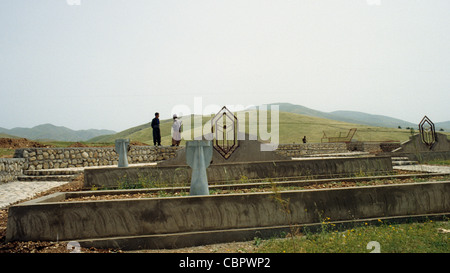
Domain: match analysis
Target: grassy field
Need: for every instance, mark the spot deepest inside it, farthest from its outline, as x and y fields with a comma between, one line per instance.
x=292, y=128
x=9, y=153
x=439, y=162
x=65, y=144
x=4, y=153
x=427, y=237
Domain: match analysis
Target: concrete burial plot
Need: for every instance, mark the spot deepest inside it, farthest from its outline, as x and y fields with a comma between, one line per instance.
x=416, y=150
x=194, y=220
x=181, y=175
x=248, y=151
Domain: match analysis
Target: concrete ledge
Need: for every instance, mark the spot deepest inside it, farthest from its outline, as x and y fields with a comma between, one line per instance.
x=50, y=221
x=181, y=175
x=188, y=239
x=424, y=156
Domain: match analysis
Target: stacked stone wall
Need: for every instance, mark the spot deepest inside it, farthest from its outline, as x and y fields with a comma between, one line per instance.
x=373, y=147
x=304, y=149
x=53, y=158
x=11, y=168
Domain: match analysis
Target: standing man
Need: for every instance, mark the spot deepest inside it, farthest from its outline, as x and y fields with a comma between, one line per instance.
x=176, y=131
x=156, y=131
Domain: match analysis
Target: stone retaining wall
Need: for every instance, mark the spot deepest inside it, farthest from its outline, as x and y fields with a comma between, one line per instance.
x=10, y=168
x=302, y=149
x=52, y=158
x=373, y=147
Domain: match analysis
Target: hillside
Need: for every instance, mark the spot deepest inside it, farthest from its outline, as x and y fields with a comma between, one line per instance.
x=52, y=132
x=355, y=117
x=373, y=120
x=142, y=133
x=292, y=128
x=444, y=125
x=308, y=122
x=2, y=135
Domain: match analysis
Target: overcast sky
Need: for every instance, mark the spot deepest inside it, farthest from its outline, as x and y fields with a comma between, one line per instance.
x=110, y=64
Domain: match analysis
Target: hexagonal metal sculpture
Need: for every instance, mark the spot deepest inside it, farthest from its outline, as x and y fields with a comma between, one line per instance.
x=427, y=132
x=224, y=127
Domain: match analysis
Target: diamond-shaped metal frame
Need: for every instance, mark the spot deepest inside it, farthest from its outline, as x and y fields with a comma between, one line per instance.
x=427, y=133
x=222, y=143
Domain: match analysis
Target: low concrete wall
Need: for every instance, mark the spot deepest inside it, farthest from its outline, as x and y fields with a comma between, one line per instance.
x=181, y=175
x=41, y=219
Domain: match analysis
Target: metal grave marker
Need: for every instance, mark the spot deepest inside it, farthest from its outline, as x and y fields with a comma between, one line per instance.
x=225, y=128
x=427, y=132
x=198, y=157
x=122, y=147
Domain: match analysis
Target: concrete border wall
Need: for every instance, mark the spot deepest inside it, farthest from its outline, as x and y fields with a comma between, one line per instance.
x=181, y=175
x=45, y=219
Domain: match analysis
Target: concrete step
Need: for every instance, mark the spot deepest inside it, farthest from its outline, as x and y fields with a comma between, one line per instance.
x=49, y=175
x=52, y=172
x=34, y=178
x=399, y=158
x=346, y=154
x=403, y=163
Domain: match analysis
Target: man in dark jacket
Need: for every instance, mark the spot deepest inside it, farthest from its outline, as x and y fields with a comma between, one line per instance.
x=156, y=131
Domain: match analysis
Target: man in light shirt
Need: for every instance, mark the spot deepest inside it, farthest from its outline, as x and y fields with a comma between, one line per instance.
x=176, y=131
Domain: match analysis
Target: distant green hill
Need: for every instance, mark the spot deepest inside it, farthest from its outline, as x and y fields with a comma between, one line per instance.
x=373, y=120
x=347, y=116
x=358, y=117
x=52, y=132
x=443, y=125
x=2, y=135
x=292, y=128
